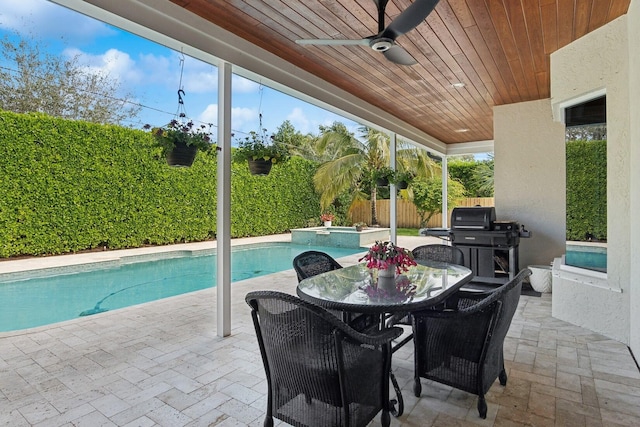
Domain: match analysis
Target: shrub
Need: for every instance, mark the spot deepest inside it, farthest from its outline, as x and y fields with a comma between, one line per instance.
x=67, y=186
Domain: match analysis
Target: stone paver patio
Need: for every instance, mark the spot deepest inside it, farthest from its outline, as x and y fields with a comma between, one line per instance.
x=162, y=364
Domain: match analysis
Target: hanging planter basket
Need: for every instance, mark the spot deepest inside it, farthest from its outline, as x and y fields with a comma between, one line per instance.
x=382, y=182
x=182, y=155
x=402, y=185
x=260, y=167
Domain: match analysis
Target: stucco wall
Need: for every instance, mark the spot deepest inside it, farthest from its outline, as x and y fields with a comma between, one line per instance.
x=594, y=63
x=633, y=19
x=529, y=177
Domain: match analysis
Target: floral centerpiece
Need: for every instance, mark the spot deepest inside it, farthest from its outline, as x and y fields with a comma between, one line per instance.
x=383, y=255
x=327, y=216
x=389, y=260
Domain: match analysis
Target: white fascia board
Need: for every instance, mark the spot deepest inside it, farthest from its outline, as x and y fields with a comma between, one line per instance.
x=474, y=147
x=173, y=26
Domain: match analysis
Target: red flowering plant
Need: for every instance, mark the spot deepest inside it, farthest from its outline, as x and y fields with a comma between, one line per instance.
x=382, y=255
x=327, y=216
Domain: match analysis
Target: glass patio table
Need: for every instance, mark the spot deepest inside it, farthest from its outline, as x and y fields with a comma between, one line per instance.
x=353, y=289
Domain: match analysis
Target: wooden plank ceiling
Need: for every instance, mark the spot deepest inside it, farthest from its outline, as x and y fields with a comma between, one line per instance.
x=499, y=50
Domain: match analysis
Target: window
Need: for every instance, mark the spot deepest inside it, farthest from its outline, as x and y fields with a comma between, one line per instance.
x=586, y=161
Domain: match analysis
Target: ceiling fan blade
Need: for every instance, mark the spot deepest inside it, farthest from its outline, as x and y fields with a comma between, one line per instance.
x=399, y=56
x=332, y=42
x=410, y=18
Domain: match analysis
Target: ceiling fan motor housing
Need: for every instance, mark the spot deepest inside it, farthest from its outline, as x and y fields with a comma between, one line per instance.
x=381, y=44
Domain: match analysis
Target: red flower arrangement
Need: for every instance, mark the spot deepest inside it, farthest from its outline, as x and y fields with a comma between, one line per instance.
x=327, y=216
x=382, y=255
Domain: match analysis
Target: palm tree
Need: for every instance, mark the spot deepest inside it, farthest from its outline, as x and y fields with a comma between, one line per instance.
x=483, y=177
x=354, y=170
x=333, y=142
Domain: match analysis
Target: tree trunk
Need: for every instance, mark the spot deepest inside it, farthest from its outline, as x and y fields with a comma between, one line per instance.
x=374, y=209
x=424, y=221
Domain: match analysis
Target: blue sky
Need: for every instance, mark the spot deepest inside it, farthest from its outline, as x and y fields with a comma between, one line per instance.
x=151, y=72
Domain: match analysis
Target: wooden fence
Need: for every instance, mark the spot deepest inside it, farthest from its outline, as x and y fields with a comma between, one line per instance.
x=406, y=213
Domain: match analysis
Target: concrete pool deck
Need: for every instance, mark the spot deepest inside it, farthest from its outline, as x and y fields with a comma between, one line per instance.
x=162, y=364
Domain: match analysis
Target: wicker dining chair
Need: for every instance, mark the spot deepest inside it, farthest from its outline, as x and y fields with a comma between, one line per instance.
x=437, y=253
x=311, y=263
x=441, y=253
x=462, y=347
x=320, y=372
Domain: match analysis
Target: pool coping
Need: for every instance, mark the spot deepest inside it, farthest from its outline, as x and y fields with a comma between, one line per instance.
x=116, y=256
x=47, y=262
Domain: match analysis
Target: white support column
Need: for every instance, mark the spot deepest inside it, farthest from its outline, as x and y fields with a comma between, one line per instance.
x=393, y=217
x=445, y=193
x=223, y=226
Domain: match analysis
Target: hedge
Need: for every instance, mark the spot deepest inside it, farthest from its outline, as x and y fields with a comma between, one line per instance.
x=586, y=190
x=67, y=186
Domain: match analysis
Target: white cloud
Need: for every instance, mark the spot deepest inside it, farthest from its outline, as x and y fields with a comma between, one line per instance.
x=200, y=82
x=210, y=114
x=114, y=63
x=156, y=70
x=197, y=76
x=299, y=120
x=242, y=85
x=244, y=119
x=43, y=19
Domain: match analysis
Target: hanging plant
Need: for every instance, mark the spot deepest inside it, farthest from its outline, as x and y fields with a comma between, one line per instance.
x=180, y=141
x=383, y=176
x=259, y=154
x=402, y=179
x=181, y=138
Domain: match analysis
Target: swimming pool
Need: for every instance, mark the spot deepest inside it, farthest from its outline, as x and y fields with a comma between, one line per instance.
x=57, y=295
x=586, y=255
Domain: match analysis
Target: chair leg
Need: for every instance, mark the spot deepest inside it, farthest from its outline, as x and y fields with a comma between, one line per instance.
x=417, y=387
x=385, y=418
x=482, y=407
x=503, y=377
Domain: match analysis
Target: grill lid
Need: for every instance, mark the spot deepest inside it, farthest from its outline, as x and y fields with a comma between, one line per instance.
x=473, y=218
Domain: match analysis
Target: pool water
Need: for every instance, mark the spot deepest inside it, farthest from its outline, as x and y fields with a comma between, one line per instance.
x=586, y=256
x=50, y=299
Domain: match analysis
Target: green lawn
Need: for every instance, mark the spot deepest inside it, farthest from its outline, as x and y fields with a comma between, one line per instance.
x=407, y=232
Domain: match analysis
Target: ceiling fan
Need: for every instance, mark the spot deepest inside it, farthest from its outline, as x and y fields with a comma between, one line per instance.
x=385, y=40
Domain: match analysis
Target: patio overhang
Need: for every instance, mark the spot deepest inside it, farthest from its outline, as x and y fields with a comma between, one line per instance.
x=502, y=49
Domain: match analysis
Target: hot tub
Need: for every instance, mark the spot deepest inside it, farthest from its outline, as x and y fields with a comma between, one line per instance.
x=344, y=237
